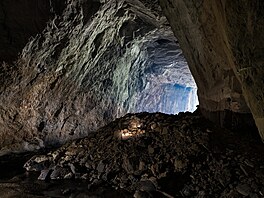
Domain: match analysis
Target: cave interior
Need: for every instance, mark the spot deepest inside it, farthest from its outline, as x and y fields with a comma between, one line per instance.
x=131, y=98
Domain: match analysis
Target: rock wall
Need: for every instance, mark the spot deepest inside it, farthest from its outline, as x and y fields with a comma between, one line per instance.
x=88, y=66
x=97, y=60
x=223, y=44
x=20, y=20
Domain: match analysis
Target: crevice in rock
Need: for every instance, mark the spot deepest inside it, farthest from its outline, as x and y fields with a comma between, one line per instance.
x=57, y=113
x=41, y=126
x=89, y=9
x=59, y=47
x=97, y=42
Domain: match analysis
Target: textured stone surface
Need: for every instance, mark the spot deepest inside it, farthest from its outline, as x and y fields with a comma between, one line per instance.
x=91, y=64
x=97, y=60
x=20, y=20
x=223, y=44
x=148, y=153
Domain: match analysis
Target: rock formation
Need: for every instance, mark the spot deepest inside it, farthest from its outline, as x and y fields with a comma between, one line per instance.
x=159, y=155
x=70, y=67
x=97, y=60
x=223, y=44
x=20, y=20
x=92, y=63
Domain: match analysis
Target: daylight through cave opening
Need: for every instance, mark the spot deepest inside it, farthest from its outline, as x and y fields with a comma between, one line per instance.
x=162, y=81
x=170, y=87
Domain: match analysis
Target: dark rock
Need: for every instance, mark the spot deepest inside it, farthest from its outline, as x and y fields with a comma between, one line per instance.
x=243, y=189
x=179, y=163
x=59, y=172
x=147, y=186
x=44, y=175
x=140, y=194
x=151, y=150
x=101, y=167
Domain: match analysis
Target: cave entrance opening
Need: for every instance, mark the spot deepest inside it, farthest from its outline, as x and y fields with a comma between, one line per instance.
x=165, y=83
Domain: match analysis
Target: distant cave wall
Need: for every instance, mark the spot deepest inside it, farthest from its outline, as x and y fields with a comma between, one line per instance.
x=22, y=19
x=223, y=42
x=163, y=80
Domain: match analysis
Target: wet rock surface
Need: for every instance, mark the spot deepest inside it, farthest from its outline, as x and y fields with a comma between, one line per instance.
x=153, y=155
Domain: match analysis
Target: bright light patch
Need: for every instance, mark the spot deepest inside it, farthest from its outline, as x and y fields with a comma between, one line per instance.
x=131, y=130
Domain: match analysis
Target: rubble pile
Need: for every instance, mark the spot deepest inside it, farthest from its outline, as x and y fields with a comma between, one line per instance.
x=156, y=155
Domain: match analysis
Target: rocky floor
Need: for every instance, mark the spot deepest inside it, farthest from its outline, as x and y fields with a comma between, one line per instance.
x=146, y=155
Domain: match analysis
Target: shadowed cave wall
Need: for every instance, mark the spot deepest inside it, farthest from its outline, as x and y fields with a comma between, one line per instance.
x=20, y=20
x=223, y=44
x=95, y=61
